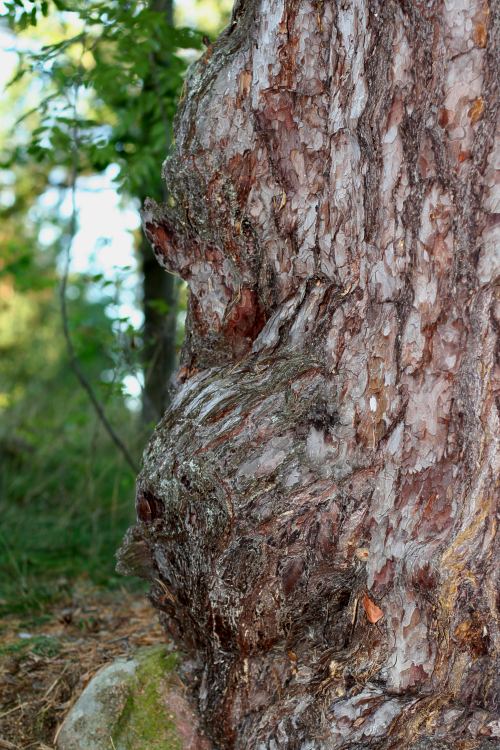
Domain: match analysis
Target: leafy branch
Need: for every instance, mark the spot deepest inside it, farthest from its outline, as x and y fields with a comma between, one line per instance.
x=117, y=51
x=73, y=358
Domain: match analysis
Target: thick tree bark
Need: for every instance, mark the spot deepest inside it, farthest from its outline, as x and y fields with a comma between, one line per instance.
x=316, y=510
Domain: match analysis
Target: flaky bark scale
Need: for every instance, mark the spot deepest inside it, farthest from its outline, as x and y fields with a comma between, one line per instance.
x=330, y=453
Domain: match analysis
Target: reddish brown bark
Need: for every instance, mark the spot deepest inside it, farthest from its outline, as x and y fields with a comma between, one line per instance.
x=319, y=502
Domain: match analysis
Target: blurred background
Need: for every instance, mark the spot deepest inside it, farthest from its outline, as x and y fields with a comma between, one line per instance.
x=90, y=326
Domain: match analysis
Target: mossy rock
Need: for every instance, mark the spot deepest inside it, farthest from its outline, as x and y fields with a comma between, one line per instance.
x=145, y=720
x=132, y=704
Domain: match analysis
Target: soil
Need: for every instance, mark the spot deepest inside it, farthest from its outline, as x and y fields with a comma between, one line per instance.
x=45, y=663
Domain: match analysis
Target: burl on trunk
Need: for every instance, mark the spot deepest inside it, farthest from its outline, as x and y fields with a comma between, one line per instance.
x=316, y=510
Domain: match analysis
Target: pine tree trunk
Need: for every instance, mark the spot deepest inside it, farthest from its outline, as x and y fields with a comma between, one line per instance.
x=316, y=511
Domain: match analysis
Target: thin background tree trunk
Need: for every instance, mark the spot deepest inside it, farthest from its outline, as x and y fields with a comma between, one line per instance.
x=160, y=326
x=317, y=509
x=159, y=334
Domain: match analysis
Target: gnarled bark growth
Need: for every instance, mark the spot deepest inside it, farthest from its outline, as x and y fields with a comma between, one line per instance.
x=316, y=510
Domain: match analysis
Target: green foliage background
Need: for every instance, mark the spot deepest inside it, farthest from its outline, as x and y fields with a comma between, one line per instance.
x=97, y=84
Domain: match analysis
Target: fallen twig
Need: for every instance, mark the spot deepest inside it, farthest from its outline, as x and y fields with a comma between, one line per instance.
x=8, y=745
x=11, y=710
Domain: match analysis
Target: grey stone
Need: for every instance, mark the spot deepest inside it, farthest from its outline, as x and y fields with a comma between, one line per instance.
x=124, y=707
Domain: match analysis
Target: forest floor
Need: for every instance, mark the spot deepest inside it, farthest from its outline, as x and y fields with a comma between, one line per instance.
x=46, y=661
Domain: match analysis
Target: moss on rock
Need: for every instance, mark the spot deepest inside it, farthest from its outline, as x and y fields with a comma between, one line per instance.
x=145, y=721
x=126, y=707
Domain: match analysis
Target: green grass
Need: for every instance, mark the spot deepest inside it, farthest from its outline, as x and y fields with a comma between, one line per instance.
x=64, y=507
x=41, y=645
x=66, y=494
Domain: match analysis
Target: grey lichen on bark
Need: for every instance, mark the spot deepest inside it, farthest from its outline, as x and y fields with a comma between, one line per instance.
x=317, y=509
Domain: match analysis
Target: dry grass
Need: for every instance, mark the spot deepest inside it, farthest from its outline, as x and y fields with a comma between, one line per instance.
x=44, y=666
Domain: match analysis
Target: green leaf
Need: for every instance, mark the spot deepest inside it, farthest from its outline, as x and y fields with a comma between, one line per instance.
x=23, y=21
